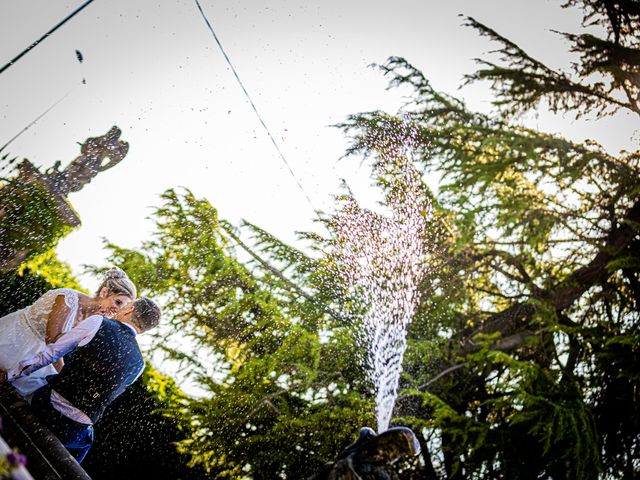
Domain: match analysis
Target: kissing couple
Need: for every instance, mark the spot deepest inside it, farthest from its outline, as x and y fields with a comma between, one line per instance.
x=71, y=354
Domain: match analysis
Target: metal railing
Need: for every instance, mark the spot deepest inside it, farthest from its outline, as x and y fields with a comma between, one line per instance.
x=47, y=458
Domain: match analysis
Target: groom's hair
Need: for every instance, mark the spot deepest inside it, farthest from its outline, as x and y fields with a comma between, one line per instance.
x=146, y=314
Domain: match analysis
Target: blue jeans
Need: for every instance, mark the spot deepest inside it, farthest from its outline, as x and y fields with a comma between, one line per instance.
x=76, y=437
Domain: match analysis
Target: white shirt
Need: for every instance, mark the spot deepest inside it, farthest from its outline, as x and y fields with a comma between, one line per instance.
x=78, y=336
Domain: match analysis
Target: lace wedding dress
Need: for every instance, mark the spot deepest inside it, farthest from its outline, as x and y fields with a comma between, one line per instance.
x=22, y=335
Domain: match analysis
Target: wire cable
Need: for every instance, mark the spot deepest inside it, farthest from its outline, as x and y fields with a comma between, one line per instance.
x=35, y=120
x=35, y=44
x=253, y=106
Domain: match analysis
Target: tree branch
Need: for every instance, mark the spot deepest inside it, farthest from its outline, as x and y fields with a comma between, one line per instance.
x=561, y=296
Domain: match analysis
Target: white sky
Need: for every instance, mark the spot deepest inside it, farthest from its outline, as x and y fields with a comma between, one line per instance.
x=153, y=69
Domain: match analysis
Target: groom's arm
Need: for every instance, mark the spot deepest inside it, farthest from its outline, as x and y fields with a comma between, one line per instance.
x=81, y=334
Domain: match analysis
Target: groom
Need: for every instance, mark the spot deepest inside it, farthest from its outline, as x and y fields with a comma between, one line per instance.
x=105, y=362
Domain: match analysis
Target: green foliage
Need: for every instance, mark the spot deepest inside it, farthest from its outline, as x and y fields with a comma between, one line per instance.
x=136, y=438
x=270, y=350
x=47, y=266
x=28, y=219
x=19, y=290
x=522, y=356
x=21, y=287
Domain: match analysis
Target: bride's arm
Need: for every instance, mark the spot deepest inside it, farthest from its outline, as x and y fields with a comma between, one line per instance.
x=80, y=335
x=57, y=318
x=58, y=364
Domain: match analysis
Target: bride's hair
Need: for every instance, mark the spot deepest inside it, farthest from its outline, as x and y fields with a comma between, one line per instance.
x=117, y=282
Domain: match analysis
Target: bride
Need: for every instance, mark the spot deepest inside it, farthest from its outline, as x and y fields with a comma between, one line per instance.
x=25, y=332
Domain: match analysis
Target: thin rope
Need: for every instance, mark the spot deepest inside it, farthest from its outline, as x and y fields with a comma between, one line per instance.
x=264, y=125
x=33, y=122
x=35, y=44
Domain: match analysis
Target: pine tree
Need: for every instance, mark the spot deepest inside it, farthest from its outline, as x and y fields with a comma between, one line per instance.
x=524, y=357
x=281, y=390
